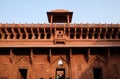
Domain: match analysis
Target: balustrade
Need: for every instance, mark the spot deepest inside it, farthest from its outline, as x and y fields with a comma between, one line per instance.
x=47, y=31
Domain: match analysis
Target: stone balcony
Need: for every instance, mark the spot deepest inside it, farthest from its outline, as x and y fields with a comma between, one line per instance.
x=56, y=35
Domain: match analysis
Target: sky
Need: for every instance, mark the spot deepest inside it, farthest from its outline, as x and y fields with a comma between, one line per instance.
x=84, y=11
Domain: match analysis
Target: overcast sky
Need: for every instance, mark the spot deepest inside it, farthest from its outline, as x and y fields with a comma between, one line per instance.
x=84, y=11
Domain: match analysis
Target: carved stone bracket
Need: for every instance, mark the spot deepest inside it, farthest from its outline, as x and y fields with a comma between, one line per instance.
x=12, y=57
x=88, y=55
x=97, y=60
x=70, y=57
x=31, y=56
x=50, y=56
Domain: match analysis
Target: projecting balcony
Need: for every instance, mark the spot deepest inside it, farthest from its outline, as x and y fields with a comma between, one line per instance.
x=63, y=34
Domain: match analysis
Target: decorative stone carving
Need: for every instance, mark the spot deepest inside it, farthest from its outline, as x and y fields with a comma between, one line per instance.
x=59, y=58
x=23, y=61
x=97, y=60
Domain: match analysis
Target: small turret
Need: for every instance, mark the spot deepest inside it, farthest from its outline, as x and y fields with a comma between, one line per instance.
x=59, y=16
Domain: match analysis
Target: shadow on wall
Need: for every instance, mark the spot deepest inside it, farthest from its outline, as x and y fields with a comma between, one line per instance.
x=99, y=65
x=89, y=66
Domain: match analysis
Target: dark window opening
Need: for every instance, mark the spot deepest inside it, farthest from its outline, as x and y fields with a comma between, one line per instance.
x=83, y=36
x=34, y=30
x=11, y=36
x=89, y=36
x=78, y=30
x=29, y=36
x=23, y=73
x=71, y=36
x=36, y=36
x=97, y=73
x=85, y=30
x=17, y=36
x=109, y=30
x=41, y=30
x=41, y=78
x=78, y=36
x=28, y=30
x=116, y=30
x=66, y=30
x=101, y=36
x=72, y=30
x=53, y=30
x=91, y=30
x=16, y=30
x=97, y=30
x=60, y=74
x=103, y=30
x=108, y=36
x=60, y=42
x=22, y=30
x=48, y=30
x=6, y=36
x=42, y=36
x=23, y=36
x=48, y=36
x=9, y=30
x=95, y=36
x=113, y=36
x=3, y=30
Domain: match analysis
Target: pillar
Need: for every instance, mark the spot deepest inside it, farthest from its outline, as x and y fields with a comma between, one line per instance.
x=68, y=19
x=70, y=68
x=51, y=19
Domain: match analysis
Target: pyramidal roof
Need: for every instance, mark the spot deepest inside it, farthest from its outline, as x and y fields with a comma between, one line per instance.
x=59, y=16
x=59, y=10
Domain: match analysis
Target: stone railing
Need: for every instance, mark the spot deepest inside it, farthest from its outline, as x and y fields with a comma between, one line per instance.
x=48, y=31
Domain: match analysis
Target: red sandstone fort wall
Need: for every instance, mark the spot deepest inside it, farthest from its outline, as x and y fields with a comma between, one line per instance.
x=42, y=64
